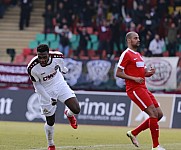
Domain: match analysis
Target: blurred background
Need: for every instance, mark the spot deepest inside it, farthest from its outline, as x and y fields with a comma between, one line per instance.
x=91, y=31
x=91, y=35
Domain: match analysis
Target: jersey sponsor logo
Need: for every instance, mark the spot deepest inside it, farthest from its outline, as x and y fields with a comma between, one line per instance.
x=50, y=76
x=56, y=67
x=140, y=64
x=43, y=73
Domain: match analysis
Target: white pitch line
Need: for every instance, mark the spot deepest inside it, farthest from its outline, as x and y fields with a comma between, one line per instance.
x=96, y=146
x=87, y=147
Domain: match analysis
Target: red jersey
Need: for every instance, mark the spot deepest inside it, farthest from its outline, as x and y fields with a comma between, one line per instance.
x=133, y=65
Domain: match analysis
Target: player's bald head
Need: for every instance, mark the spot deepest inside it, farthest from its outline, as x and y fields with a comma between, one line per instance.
x=129, y=35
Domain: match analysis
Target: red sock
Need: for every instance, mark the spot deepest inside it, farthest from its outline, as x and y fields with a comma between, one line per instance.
x=154, y=128
x=141, y=127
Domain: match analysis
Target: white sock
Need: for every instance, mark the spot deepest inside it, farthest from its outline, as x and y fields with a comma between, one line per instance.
x=69, y=113
x=49, y=131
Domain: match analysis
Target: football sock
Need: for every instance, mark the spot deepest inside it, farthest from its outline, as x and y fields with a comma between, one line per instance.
x=154, y=128
x=141, y=127
x=49, y=131
x=69, y=113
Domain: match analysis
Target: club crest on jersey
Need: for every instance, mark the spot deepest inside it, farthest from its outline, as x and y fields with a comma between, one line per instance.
x=45, y=111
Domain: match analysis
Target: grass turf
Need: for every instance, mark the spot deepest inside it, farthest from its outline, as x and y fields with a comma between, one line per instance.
x=30, y=136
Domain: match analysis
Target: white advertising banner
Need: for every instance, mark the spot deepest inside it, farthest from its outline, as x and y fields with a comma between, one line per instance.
x=165, y=77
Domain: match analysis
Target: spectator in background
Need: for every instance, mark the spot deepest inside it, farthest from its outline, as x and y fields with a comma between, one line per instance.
x=60, y=13
x=146, y=44
x=2, y=9
x=156, y=46
x=104, y=35
x=115, y=37
x=25, y=13
x=150, y=23
x=50, y=2
x=65, y=36
x=48, y=19
x=139, y=14
x=101, y=11
x=87, y=14
x=83, y=42
x=172, y=36
x=115, y=8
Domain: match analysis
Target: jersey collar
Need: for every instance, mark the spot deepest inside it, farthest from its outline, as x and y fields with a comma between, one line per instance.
x=132, y=50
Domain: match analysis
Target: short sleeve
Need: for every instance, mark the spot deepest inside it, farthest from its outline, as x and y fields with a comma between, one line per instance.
x=32, y=75
x=123, y=60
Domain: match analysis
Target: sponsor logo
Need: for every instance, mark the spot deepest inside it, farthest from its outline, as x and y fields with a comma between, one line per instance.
x=34, y=110
x=138, y=116
x=101, y=111
x=177, y=113
x=56, y=67
x=5, y=106
x=50, y=76
x=179, y=107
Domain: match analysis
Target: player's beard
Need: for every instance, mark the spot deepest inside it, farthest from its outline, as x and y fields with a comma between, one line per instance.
x=136, y=45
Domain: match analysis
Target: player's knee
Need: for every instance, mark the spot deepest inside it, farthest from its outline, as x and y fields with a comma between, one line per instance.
x=50, y=120
x=160, y=115
x=77, y=110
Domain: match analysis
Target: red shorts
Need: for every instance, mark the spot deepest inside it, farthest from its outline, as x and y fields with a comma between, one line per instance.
x=142, y=97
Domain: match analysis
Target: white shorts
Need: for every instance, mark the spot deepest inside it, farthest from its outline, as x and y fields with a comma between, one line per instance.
x=61, y=93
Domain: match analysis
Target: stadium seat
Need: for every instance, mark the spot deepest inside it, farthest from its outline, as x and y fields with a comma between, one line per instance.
x=95, y=46
x=40, y=37
x=28, y=59
x=50, y=37
x=26, y=52
x=89, y=45
x=74, y=45
x=54, y=45
x=179, y=47
x=74, y=42
x=33, y=44
x=44, y=42
x=165, y=54
x=94, y=38
x=74, y=38
x=178, y=54
x=19, y=59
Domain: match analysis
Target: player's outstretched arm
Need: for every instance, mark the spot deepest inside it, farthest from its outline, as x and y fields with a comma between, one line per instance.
x=40, y=89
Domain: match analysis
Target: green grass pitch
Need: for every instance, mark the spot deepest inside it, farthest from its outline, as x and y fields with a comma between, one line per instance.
x=30, y=136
